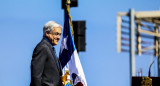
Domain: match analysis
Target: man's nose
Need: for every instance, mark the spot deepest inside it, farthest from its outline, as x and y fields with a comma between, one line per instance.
x=58, y=37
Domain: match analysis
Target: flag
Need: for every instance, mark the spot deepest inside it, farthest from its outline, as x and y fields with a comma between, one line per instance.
x=69, y=59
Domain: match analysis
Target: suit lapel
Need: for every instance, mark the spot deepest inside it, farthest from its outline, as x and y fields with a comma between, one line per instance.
x=60, y=67
x=54, y=56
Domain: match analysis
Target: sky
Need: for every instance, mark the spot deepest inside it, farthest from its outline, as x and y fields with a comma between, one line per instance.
x=21, y=23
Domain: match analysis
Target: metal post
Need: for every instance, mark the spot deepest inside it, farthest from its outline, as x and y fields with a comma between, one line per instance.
x=159, y=61
x=159, y=53
x=119, y=21
x=138, y=38
x=132, y=44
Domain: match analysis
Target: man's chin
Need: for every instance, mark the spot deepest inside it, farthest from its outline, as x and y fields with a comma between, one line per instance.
x=54, y=44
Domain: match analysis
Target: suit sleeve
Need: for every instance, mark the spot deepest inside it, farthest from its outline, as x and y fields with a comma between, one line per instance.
x=37, y=65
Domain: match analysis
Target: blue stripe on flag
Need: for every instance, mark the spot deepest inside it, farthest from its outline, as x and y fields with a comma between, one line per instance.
x=69, y=48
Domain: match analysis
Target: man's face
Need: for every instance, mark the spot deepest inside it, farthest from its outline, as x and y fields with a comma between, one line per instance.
x=54, y=36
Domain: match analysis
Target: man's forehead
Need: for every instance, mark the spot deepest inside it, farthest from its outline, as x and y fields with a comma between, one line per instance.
x=56, y=29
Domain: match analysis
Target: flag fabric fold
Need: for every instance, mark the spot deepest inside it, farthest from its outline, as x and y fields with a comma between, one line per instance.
x=69, y=59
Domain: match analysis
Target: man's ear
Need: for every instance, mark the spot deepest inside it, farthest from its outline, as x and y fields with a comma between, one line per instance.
x=47, y=34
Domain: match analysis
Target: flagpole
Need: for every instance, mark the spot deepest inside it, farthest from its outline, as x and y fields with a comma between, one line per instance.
x=68, y=3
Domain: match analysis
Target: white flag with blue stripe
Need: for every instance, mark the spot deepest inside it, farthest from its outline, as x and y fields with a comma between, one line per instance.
x=69, y=58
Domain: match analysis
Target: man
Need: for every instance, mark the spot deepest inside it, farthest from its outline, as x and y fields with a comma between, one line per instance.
x=45, y=67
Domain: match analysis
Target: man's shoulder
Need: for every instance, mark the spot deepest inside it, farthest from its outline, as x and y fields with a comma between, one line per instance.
x=41, y=46
x=41, y=49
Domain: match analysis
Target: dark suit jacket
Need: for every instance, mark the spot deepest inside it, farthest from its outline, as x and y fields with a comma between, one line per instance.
x=44, y=66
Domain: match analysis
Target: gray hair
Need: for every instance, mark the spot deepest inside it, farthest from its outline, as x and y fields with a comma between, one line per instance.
x=49, y=26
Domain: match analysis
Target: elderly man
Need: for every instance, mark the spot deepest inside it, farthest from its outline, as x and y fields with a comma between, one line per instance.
x=45, y=66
